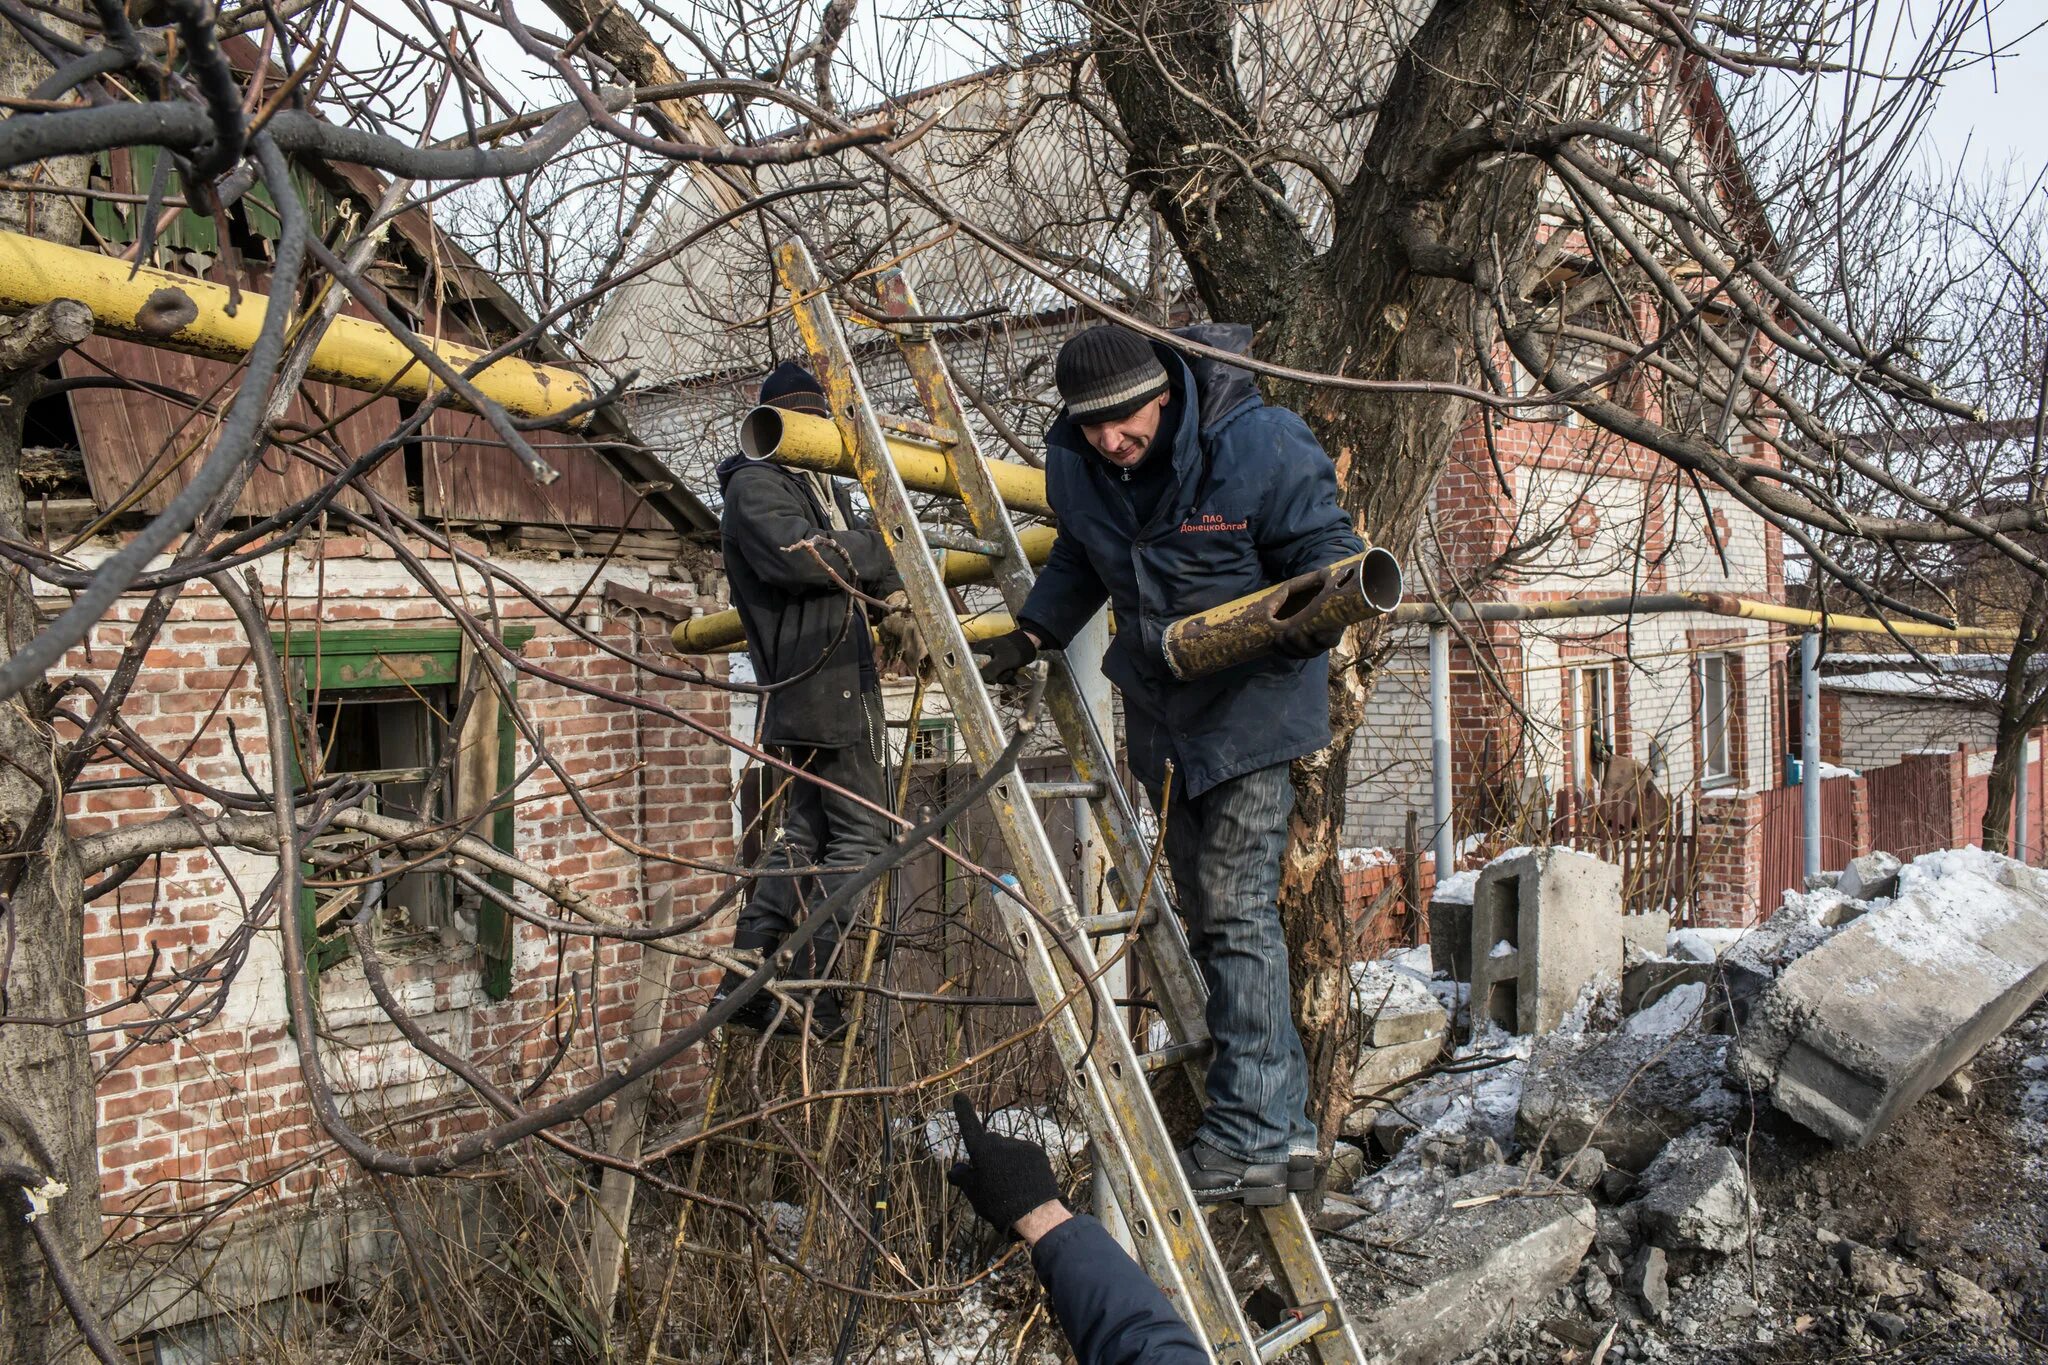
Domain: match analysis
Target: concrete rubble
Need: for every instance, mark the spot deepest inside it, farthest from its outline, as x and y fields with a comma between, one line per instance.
x=1525, y=1194
x=1625, y=1093
x=1852, y=1032
x=1489, y=1251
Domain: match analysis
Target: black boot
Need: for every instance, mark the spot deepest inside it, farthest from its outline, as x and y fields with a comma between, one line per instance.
x=756, y=1015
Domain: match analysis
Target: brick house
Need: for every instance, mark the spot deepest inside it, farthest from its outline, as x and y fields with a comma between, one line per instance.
x=204, y=1120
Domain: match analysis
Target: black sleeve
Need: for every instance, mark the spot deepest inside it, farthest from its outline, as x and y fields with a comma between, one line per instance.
x=1112, y=1314
x=765, y=513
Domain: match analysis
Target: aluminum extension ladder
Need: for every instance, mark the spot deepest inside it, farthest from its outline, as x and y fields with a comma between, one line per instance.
x=1170, y=1235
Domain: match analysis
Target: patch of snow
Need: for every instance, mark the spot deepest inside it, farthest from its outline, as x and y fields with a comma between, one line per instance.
x=1700, y=945
x=1501, y=949
x=1457, y=888
x=1917, y=683
x=1358, y=859
x=1674, y=1011
x=942, y=1135
x=1380, y=988
x=1949, y=902
x=1828, y=769
x=1413, y=961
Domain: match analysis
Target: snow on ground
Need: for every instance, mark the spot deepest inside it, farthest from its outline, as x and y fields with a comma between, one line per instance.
x=1674, y=1012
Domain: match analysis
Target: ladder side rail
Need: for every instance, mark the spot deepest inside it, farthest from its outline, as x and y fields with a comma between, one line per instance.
x=1286, y=1240
x=1173, y=1239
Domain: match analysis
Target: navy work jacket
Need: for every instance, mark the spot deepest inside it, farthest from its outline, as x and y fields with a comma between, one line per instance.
x=1111, y=1313
x=1252, y=501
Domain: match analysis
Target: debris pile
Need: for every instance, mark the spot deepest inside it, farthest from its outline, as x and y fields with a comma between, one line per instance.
x=1725, y=1149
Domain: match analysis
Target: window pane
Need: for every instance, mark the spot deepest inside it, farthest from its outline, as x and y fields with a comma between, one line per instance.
x=1714, y=717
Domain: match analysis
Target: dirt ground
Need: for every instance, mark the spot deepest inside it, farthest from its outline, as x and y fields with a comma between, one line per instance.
x=1931, y=1245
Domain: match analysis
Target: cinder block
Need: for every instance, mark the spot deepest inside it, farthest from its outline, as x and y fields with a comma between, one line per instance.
x=1544, y=923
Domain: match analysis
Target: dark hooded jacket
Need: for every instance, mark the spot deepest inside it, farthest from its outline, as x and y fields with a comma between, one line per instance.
x=792, y=609
x=1252, y=501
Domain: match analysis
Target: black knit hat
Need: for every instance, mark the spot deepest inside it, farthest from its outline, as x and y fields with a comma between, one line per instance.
x=790, y=385
x=1107, y=373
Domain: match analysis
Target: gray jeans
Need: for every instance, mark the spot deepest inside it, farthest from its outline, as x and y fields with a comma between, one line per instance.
x=810, y=826
x=1224, y=849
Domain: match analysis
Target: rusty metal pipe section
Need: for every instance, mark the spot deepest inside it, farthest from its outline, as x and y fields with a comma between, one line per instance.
x=1354, y=589
x=810, y=442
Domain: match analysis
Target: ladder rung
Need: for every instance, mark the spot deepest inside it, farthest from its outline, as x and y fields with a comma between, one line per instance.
x=1118, y=922
x=1077, y=791
x=946, y=538
x=1173, y=1054
x=1301, y=1324
x=917, y=428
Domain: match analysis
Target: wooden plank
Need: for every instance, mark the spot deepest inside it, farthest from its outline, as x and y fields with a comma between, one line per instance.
x=470, y=474
x=612, y=1214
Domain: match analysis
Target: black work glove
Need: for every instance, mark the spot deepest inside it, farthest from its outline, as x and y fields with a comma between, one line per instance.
x=1004, y=1178
x=1004, y=655
x=1307, y=644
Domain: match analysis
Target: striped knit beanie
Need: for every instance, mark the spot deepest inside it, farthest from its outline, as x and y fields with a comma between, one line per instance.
x=1107, y=373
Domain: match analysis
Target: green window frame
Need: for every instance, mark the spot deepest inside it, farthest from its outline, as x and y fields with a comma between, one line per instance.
x=325, y=660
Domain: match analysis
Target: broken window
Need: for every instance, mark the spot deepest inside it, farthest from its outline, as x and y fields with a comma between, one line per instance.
x=1717, y=765
x=394, y=740
x=417, y=721
x=933, y=742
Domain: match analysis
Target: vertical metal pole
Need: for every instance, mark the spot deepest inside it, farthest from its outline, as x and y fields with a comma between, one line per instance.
x=1440, y=749
x=1084, y=666
x=1809, y=752
x=2017, y=842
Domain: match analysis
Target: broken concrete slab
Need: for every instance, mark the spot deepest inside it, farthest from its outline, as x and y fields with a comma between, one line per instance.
x=1480, y=1252
x=1624, y=1093
x=1888, y=1008
x=1545, y=922
x=1397, y=1005
x=1381, y=1069
x=1696, y=1198
x=1873, y=876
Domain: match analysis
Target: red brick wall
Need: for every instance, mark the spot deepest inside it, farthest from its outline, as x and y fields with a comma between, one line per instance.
x=218, y=1114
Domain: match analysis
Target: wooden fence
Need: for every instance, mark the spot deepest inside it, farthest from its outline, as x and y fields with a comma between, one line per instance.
x=1659, y=860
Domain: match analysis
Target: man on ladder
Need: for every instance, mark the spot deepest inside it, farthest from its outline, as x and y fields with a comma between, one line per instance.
x=1177, y=489
x=792, y=547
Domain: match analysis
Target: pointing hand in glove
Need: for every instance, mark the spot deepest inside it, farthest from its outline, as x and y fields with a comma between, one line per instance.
x=1007, y=1180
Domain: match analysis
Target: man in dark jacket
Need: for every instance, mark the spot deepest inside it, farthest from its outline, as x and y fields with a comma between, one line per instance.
x=1177, y=489
x=1111, y=1313
x=786, y=533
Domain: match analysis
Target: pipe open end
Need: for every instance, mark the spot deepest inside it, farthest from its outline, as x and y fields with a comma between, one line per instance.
x=1379, y=580
x=761, y=435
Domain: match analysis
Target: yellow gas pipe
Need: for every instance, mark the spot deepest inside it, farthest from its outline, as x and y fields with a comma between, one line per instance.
x=182, y=313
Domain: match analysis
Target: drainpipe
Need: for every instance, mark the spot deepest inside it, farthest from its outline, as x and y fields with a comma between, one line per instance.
x=2018, y=840
x=1809, y=751
x=1440, y=748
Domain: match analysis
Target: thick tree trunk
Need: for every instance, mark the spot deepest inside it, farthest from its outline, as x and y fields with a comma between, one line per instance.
x=1400, y=294
x=45, y=1069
